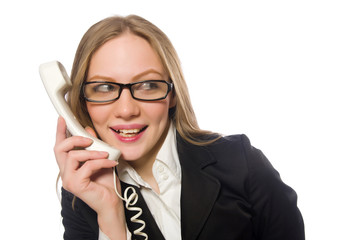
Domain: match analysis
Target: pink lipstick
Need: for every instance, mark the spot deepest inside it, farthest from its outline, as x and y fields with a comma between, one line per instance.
x=129, y=133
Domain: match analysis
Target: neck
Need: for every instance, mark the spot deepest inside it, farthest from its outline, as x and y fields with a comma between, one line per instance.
x=144, y=166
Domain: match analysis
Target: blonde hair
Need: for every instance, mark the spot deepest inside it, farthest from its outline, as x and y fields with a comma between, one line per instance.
x=182, y=115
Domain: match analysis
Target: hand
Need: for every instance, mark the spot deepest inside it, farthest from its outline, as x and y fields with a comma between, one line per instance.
x=88, y=175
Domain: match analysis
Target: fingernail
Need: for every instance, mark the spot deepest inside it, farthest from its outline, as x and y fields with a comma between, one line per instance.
x=104, y=153
x=88, y=139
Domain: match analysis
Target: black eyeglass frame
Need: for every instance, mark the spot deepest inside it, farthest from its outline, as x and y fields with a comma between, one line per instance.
x=129, y=86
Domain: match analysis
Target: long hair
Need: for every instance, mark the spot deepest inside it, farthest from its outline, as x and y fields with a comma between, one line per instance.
x=182, y=115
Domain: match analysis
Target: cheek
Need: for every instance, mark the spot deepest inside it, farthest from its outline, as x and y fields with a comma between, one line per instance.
x=98, y=114
x=156, y=112
x=152, y=112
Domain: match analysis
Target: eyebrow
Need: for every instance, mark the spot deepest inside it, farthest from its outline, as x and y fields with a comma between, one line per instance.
x=149, y=71
x=108, y=79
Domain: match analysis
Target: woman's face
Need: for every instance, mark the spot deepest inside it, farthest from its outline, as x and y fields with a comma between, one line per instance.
x=137, y=128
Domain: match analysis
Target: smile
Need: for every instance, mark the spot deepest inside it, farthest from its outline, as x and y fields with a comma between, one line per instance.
x=129, y=132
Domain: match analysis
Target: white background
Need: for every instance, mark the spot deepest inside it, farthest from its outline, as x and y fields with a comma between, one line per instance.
x=286, y=73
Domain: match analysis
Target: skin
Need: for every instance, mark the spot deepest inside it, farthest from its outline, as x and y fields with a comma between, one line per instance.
x=128, y=59
x=88, y=174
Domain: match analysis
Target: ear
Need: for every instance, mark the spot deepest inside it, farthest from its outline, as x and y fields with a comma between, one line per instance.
x=173, y=101
x=91, y=131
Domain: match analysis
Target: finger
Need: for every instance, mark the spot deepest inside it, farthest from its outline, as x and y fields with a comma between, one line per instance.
x=81, y=156
x=67, y=146
x=71, y=143
x=77, y=158
x=61, y=130
x=91, y=167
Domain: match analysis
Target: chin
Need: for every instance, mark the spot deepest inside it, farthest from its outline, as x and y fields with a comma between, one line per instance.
x=130, y=155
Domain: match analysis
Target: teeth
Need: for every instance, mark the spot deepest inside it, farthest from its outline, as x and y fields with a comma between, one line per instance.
x=125, y=131
x=128, y=132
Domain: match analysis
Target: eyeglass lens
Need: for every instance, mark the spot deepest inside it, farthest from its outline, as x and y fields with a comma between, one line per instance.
x=107, y=91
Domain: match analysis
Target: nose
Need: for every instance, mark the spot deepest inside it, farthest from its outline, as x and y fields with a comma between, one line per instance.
x=126, y=107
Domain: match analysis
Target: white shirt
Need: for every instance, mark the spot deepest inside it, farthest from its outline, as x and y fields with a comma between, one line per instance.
x=165, y=207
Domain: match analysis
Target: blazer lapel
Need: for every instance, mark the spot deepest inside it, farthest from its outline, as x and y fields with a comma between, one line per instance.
x=199, y=190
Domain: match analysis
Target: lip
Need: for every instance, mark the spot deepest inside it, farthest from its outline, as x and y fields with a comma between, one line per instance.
x=127, y=127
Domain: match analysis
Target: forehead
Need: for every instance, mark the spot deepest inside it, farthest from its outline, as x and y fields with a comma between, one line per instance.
x=125, y=56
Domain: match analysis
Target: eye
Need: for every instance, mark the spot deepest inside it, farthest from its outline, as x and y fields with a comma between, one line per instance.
x=147, y=86
x=103, y=87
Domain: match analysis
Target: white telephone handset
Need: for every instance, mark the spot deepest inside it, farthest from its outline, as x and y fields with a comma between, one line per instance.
x=57, y=83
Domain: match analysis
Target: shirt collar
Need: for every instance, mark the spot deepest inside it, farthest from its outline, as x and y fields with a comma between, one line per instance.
x=168, y=153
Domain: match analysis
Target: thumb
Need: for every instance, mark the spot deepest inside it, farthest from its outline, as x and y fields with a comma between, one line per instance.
x=91, y=131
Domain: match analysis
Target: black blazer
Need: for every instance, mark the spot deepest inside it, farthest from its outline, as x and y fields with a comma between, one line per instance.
x=229, y=190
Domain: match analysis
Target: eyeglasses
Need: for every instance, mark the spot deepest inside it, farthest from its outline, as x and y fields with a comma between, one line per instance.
x=150, y=90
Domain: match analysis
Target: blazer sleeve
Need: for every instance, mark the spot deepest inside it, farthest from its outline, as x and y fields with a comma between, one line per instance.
x=79, y=222
x=274, y=204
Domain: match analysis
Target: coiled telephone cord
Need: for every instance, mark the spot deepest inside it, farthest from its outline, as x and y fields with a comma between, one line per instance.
x=130, y=200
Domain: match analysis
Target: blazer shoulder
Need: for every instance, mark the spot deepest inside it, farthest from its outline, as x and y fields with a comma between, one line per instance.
x=273, y=203
x=235, y=146
x=238, y=148
x=236, y=139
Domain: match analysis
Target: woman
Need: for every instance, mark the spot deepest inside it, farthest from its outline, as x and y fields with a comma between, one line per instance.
x=128, y=90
